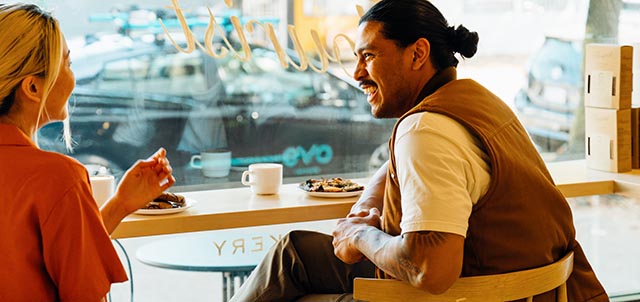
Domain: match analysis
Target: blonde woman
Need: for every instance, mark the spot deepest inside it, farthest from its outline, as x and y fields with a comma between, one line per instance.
x=54, y=240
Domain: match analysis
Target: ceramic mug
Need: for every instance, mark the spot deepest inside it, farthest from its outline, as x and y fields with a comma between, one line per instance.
x=214, y=163
x=264, y=178
x=103, y=187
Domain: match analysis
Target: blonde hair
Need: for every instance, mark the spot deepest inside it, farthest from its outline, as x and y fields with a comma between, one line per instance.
x=31, y=44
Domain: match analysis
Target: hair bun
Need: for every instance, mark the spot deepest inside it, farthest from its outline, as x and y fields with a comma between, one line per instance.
x=463, y=41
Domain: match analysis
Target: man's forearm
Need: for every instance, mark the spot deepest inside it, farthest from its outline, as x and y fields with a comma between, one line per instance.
x=386, y=252
x=428, y=260
x=373, y=195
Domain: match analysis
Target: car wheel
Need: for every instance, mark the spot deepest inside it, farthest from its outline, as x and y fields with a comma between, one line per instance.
x=379, y=156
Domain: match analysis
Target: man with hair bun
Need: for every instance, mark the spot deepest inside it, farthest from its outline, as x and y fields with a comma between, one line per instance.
x=465, y=193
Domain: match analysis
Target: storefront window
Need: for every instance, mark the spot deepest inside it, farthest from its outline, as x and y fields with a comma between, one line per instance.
x=317, y=123
x=136, y=91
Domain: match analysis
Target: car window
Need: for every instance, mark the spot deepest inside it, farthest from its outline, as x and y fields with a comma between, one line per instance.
x=177, y=74
x=123, y=74
x=263, y=80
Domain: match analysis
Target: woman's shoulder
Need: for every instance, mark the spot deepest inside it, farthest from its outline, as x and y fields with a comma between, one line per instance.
x=44, y=178
x=60, y=164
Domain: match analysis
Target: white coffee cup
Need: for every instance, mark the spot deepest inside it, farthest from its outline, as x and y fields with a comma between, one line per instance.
x=264, y=178
x=214, y=163
x=103, y=187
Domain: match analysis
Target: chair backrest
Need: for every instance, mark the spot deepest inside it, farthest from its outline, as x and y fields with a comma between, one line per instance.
x=491, y=288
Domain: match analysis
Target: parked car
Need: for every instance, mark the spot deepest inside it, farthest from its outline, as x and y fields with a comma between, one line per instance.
x=546, y=106
x=133, y=97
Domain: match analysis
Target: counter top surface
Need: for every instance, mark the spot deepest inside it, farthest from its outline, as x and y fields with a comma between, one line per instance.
x=239, y=207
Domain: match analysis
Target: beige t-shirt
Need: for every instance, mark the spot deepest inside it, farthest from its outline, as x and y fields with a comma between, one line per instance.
x=442, y=170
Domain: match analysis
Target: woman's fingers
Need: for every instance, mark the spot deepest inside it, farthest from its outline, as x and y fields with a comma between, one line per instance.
x=168, y=183
x=159, y=154
x=158, y=161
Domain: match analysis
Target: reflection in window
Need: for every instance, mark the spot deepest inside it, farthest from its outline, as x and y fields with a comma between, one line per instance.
x=537, y=73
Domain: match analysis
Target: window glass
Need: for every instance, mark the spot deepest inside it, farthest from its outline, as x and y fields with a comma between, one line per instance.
x=530, y=54
x=137, y=92
x=180, y=74
x=263, y=106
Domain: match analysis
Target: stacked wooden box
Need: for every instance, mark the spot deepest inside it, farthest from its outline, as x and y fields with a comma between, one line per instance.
x=635, y=110
x=608, y=92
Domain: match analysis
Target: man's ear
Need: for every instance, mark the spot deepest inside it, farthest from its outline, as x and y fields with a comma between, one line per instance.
x=421, y=53
x=32, y=87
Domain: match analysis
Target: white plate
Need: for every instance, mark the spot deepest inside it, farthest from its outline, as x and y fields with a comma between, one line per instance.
x=333, y=194
x=188, y=203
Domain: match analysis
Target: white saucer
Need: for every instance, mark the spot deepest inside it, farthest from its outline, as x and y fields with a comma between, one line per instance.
x=334, y=194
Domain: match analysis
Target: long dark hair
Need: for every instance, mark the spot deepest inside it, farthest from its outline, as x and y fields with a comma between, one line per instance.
x=405, y=21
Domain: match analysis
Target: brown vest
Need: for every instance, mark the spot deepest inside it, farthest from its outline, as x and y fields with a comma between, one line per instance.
x=523, y=221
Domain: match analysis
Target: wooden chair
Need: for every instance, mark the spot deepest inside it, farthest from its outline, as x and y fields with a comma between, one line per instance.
x=490, y=288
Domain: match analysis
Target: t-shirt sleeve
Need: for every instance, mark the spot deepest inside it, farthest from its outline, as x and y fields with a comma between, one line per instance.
x=78, y=253
x=441, y=171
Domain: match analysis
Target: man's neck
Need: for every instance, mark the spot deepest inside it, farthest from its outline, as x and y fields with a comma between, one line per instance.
x=437, y=80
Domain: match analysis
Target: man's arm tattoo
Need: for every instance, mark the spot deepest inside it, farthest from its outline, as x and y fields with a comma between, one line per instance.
x=403, y=257
x=413, y=253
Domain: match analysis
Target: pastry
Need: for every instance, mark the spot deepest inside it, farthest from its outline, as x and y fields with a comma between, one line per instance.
x=166, y=200
x=336, y=184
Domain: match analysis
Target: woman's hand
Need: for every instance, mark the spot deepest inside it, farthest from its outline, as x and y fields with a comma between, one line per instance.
x=144, y=181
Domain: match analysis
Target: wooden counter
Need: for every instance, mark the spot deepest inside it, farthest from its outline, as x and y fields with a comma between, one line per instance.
x=573, y=178
x=234, y=208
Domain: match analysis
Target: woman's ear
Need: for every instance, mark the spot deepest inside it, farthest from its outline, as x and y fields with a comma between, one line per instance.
x=421, y=53
x=31, y=88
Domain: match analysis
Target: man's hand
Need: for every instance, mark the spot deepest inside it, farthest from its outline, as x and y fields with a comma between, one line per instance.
x=347, y=229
